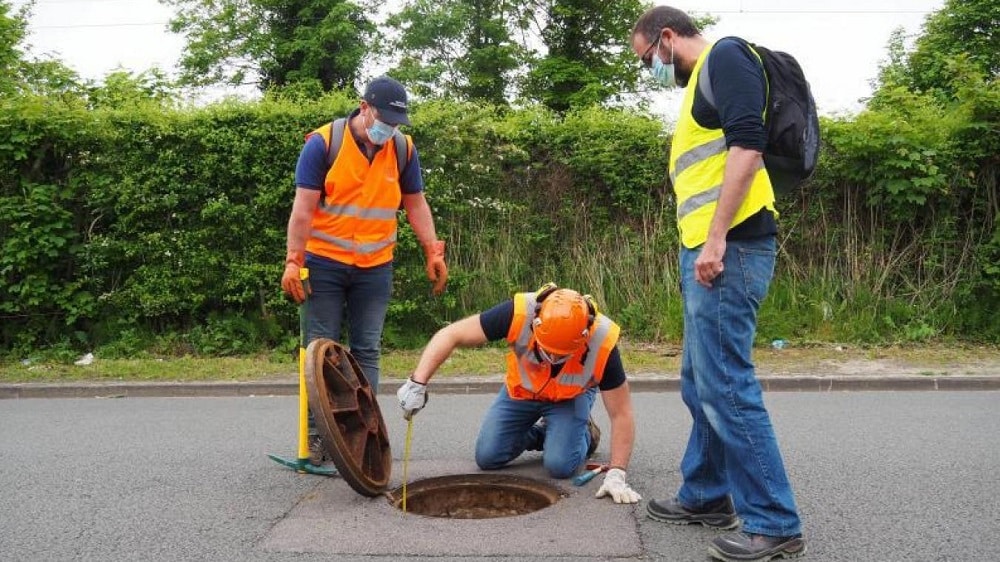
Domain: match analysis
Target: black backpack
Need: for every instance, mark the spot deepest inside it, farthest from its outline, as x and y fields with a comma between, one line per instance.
x=790, y=119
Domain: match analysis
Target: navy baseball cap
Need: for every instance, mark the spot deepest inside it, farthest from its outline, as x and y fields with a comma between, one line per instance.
x=389, y=97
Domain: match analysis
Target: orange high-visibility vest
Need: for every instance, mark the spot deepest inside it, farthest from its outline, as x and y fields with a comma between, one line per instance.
x=355, y=222
x=528, y=378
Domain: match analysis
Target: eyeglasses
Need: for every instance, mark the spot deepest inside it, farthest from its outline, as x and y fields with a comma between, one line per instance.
x=550, y=358
x=647, y=57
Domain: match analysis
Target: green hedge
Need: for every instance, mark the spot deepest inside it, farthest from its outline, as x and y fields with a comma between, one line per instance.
x=152, y=229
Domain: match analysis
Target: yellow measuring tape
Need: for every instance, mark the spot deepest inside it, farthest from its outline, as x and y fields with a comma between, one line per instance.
x=406, y=457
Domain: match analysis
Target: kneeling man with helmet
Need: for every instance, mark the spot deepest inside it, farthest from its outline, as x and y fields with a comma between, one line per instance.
x=562, y=352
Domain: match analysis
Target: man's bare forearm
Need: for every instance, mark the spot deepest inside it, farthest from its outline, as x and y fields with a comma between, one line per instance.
x=741, y=166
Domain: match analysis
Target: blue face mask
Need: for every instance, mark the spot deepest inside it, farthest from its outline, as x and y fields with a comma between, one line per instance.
x=663, y=72
x=379, y=132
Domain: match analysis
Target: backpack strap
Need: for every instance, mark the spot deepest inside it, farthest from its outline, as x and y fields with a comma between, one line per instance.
x=402, y=151
x=705, y=82
x=337, y=137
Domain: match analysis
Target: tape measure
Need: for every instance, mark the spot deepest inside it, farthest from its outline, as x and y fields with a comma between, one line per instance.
x=406, y=457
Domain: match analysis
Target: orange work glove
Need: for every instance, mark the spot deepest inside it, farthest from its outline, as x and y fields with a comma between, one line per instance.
x=437, y=271
x=290, y=282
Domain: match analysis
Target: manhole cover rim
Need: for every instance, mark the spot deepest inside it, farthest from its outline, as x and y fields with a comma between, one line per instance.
x=549, y=492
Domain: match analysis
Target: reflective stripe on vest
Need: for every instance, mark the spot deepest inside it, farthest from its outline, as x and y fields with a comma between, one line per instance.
x=356, y=220
x=697, y=166
x=695, y=202
x=529, y=378
x=356, y=211
x=697, y=154
x=354, y=246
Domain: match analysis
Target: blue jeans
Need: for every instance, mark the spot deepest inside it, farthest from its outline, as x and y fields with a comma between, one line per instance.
x=509, y=429
x=732, y=448
x=364, y=294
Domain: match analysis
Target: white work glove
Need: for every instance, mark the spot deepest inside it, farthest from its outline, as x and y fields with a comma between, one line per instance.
x=615, y=486
x=412, y=398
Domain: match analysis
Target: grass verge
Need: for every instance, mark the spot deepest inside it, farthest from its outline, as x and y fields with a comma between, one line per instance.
x=639, y=359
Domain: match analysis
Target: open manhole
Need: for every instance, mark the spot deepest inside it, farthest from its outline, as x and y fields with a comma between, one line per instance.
x=475, y=496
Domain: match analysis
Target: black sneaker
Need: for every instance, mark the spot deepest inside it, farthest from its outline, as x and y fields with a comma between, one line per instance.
x=592, y=429
x=317, y=453
x=718, y=515
x=537, y=435
x=744, y=547
x=595, y=437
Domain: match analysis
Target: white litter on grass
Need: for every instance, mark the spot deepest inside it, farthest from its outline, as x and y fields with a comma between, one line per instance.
x=85, y=360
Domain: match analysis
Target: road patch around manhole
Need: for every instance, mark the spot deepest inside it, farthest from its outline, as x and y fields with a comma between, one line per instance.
x=333, y=519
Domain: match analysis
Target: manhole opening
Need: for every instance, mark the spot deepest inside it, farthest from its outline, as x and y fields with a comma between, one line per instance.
x=475, y=496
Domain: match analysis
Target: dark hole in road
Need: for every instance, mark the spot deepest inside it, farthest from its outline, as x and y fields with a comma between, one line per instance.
x=475, y=496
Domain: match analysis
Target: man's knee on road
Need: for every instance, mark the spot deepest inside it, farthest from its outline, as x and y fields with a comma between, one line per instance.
x=489, y=459
x=489, y=463
x=560, y=468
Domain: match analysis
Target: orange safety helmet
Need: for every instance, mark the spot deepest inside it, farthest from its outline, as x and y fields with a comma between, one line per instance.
x=563, y=318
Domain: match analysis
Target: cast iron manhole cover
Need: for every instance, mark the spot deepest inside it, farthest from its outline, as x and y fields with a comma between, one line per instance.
x=475, y=496
x=348, y=417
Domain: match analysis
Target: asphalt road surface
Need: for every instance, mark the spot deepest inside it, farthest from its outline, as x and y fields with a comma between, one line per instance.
x=887, y=476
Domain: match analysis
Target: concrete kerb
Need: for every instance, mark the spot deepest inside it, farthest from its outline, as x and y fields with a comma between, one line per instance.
x=484, y=385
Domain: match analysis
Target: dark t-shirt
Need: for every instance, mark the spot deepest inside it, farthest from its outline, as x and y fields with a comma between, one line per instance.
x=496, y=323
x=740, y=91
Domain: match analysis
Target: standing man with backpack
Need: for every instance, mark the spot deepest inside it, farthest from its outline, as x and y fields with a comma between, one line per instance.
x=732, y=469
x=351, y=179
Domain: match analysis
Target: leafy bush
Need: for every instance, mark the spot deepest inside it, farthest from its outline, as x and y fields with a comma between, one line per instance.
x=160, y=229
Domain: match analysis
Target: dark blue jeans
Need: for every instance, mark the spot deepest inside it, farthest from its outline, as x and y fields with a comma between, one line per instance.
x=363, y=294
x=509, y=429
x=732, y=448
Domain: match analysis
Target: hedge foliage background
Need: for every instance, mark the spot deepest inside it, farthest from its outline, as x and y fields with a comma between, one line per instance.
x=147, y=228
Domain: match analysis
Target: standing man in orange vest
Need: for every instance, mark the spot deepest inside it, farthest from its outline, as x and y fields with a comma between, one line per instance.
x=562, y=351
x=343, y=221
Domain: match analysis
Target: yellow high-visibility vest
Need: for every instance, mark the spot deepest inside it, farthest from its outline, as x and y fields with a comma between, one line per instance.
x=697, y=164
